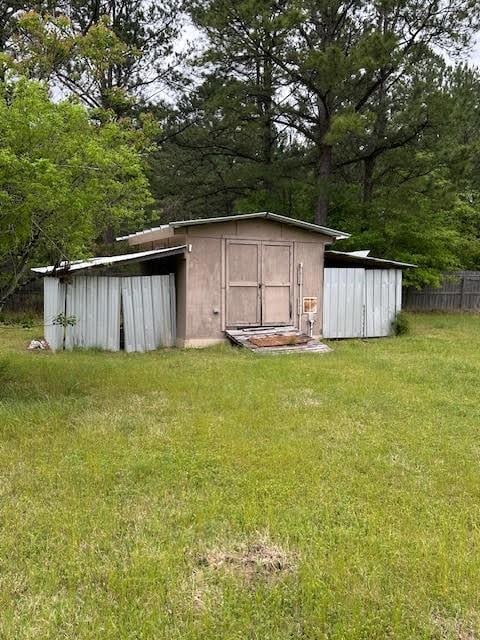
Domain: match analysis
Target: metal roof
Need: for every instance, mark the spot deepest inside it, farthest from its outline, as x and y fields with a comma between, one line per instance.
x=359, y=258
x=265, y=215
x=106, y=261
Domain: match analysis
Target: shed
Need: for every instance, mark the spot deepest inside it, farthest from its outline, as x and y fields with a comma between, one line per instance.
x=243, y=271
x=362, y=294
x=194, y=280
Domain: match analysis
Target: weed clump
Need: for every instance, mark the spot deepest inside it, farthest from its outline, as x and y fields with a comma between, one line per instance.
x=401, y=324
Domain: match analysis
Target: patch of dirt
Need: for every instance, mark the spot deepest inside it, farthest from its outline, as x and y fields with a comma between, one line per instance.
x=278, y=340
x=258, y=558
x=453, y=628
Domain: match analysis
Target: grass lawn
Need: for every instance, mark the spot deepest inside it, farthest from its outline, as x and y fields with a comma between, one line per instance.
x=216, y=494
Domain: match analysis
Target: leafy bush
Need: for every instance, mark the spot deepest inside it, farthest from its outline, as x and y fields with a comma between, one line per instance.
x=401, y=324
x=24, y=320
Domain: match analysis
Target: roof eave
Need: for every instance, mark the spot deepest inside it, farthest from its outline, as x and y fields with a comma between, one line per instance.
x=265, y=215
x=109, y=261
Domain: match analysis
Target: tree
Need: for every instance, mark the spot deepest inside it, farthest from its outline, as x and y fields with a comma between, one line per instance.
x=110, y=54
x=64, y=177
x=336, y=61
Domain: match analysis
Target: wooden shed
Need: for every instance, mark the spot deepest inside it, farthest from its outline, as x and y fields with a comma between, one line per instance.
x=250, y=270
x=192, y=283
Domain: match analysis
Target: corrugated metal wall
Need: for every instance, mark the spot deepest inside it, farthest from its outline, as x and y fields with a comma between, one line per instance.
x=457, y=292
x=343, y=300
x=97, y=304
x=53, y=306
x=360, y=303
x=147, y=317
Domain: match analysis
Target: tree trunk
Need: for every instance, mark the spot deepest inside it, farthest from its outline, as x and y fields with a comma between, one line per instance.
x=12, y=286
x=368, y=171
x=324, y=171
x=264, y=100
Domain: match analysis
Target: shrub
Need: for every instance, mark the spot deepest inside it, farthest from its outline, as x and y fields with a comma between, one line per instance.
x=401, y=324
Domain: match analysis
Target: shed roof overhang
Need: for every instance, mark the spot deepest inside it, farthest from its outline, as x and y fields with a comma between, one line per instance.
x=167, y=230
x=359, y=259
x=106, y=261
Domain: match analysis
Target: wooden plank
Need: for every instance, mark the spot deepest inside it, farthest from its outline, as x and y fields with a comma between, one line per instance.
x=242, y=337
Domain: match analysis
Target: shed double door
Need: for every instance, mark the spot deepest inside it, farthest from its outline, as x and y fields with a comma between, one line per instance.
x=259, y=283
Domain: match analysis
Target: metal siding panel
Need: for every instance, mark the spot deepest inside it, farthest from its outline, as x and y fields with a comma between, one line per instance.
x=53, y=305
x=359, y=303
x=398, y=296
x=165, y=315
x=349, y=311
x=392, y=291
x=339, y=307
x=342, y=311
x=89, y=327
x=146, y=304
x=149, y=322
x=70, y=311
x=113, y=324
x=158, y=325
x=173, y=309
x=101, y=319
x=344, y=299
x=334, y=303
x=83, y=302
x=384, y=291
x=128, y=317
x=138, y=314
x=325, y=325
x=369, y=304
x=377, y=303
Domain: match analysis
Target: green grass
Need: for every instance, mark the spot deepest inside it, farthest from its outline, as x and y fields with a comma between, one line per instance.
x=125, y=479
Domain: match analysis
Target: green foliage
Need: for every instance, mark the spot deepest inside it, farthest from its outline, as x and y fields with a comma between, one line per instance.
x=401, y=324
x=107, y=54
x=63, y=179
x=346, y=114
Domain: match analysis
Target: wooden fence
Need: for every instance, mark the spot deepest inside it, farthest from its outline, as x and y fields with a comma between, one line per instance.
x=28, y=299
x=458, y=292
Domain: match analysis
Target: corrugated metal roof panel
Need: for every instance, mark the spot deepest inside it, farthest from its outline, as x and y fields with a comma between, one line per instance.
x=106, y=261
x=355, y=257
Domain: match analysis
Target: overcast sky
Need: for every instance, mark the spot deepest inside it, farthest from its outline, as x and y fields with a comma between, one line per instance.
x=475, y=55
